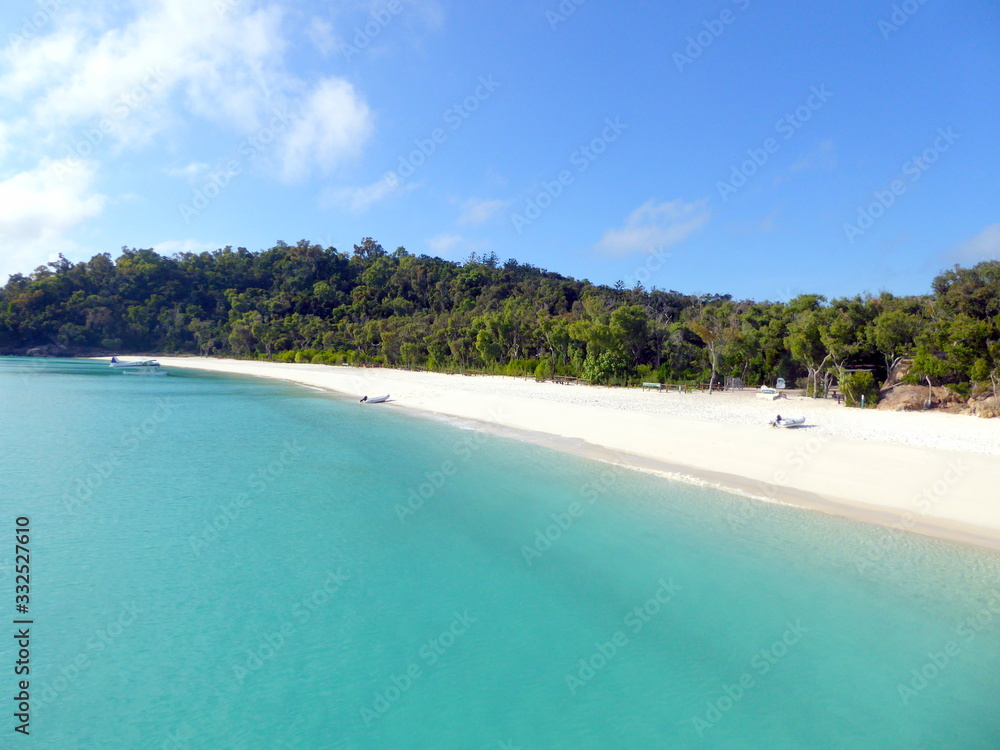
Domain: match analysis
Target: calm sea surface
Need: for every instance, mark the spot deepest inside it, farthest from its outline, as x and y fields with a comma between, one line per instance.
x=220, y=562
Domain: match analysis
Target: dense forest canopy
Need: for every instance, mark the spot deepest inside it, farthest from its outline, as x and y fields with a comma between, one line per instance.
x=307, y=303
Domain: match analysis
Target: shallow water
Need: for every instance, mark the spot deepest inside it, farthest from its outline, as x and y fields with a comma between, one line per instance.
x=221, y=562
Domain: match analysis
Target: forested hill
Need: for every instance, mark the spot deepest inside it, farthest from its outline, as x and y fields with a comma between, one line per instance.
x=307, y=303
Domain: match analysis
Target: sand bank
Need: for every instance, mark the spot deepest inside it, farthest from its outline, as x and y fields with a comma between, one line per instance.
x=936, y=474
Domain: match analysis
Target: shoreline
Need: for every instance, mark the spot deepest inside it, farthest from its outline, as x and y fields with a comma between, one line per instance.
x=901, y=481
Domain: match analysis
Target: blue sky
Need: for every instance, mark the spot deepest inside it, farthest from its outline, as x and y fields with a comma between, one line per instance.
x=735, y=146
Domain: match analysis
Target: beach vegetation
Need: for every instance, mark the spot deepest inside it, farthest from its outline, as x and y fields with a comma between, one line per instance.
x=309, y=304
x=544, y=370
x=859, y=388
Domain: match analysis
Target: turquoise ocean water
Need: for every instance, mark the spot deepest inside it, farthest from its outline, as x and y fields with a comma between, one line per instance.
x=220, y=562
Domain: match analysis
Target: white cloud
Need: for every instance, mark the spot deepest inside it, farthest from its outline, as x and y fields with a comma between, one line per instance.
x=223, y=61
x=453, y=246
x=322, y=36
x=430, y=14
x=359, y=199
x=89, y=69
x=476, y=211
x=95, y=80
x=655, y=226
x=40, y=208
x=984, y=246
x=332, y=125
x=190, y=172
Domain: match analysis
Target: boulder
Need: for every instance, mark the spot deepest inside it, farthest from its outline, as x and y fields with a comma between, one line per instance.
x=897, y=373
x=915, y=398
x=46, y=350
x=987, y=408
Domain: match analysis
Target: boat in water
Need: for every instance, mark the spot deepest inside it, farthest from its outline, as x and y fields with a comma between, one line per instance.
x=139, y=367
x=117, y=363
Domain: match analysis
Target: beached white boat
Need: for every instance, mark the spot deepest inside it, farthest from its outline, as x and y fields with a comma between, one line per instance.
x=788, y=422
x=117, y=363
x=375, y=399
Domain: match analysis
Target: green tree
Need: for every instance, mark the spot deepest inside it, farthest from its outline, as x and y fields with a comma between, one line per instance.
x=717, y=326
x=805, y=342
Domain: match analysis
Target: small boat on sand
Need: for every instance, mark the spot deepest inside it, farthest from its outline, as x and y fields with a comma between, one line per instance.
x=375, y=399
x=788, y=421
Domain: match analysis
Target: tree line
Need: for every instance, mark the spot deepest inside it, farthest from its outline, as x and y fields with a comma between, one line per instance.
x=306, y=303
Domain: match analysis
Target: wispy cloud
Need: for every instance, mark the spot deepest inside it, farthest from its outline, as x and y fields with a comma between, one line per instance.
x=984, y=246
x=655, y=226
x=322, y=36
x=333, y=125
x=90, y=84
x=453, y=246
x=360, y=199
x=42, y=207
x=190, y=172
x=478, y=211
x=134, y=77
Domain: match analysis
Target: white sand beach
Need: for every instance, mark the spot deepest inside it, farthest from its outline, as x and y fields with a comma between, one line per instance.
x=930, y=473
